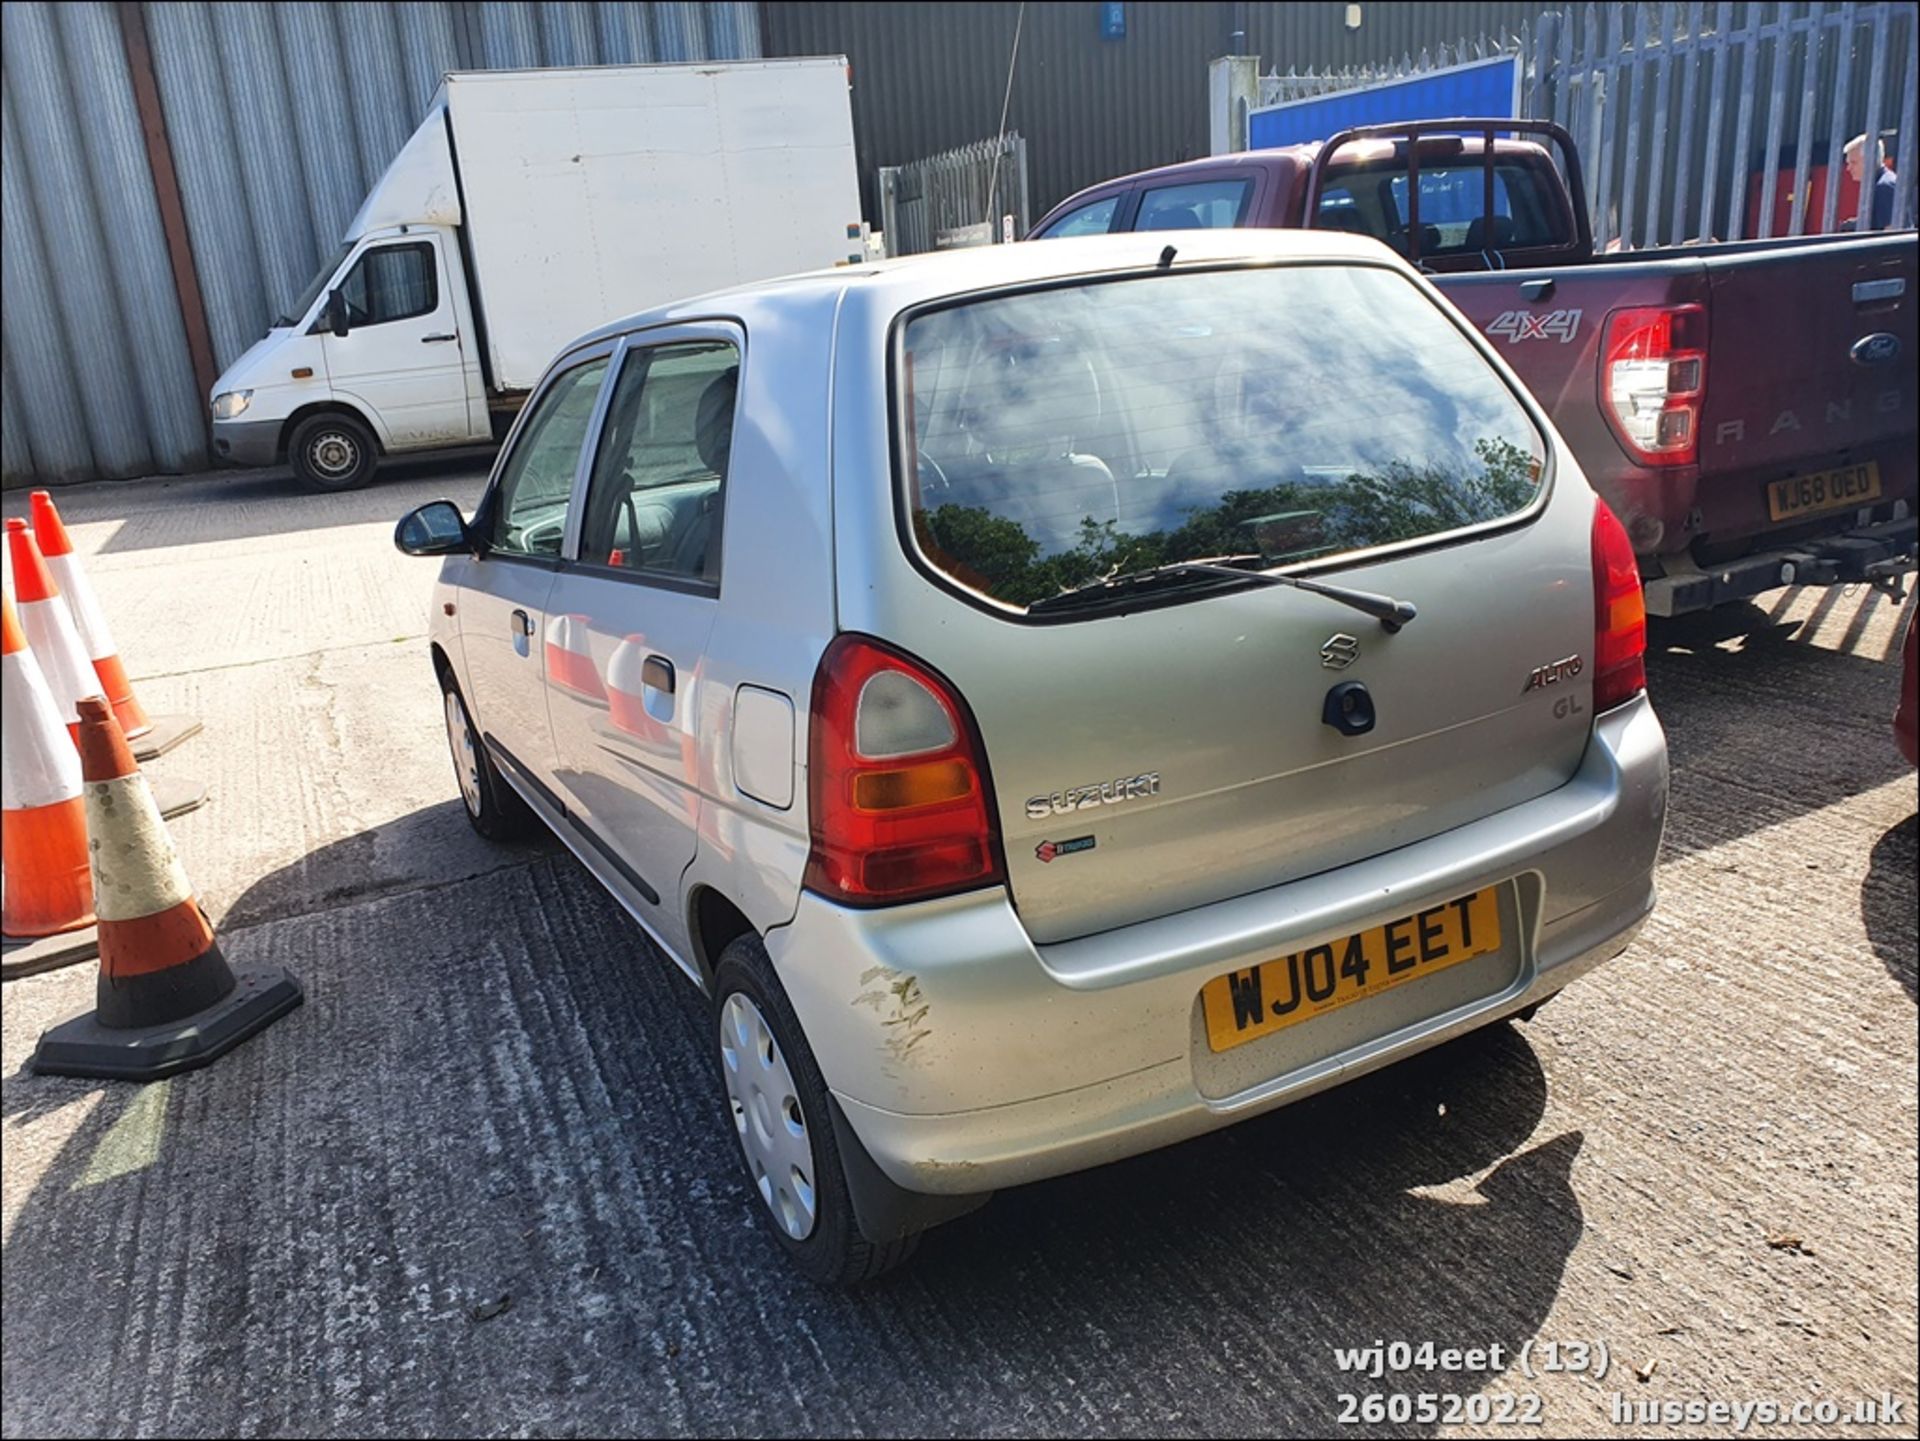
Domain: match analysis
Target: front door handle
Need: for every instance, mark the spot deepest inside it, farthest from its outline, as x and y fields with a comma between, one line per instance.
x=657, y=674
x=436, y=339
x=522, y=623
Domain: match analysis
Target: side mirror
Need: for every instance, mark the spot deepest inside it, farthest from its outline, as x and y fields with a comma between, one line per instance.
x=436, y=528
x=337, y=313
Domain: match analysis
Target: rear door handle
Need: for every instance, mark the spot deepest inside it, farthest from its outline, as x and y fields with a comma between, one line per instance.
x=436, y=339
x=522, y=623
x=657, y=674
x=1537, y=290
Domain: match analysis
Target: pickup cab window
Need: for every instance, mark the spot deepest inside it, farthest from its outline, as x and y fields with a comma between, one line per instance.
x=1051, y=437
x=1453, y=216
x=1095, y=218
x=1206, y=205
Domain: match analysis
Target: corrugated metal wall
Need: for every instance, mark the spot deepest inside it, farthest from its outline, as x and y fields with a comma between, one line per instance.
x=280, y=117
x=930, y=76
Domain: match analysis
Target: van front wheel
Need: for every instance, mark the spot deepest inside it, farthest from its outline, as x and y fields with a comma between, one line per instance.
x=332, y=452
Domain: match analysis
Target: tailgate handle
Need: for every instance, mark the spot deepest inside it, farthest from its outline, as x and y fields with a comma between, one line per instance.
x=1349, y=708
x=1537, y=290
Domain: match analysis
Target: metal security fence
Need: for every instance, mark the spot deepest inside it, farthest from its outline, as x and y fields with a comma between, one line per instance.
x=957, y=198
x=173, y=172
x=1702, y=120
x=1729, y=121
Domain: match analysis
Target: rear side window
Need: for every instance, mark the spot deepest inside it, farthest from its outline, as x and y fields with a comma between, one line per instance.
x=654, y=503
x=1207, y=205
x=1091, y=219
x=1301, y=413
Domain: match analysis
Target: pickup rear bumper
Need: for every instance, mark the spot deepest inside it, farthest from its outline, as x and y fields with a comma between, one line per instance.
x=1868, y=553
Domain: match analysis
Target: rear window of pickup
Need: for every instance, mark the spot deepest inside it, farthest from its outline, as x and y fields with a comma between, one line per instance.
x=1300, y=413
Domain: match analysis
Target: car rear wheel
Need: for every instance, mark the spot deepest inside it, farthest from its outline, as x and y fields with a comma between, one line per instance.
x=493, y=807
x=776, y=1103
x=332, y=452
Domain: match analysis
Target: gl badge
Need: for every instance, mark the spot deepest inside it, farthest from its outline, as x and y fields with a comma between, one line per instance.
x=1339, y=652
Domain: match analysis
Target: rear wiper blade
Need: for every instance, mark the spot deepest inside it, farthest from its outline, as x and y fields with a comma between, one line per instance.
x=1391, y=613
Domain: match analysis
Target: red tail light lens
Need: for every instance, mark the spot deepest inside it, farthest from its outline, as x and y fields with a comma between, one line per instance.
x=897, y=782
x=1654, y=380
x=1619, y=614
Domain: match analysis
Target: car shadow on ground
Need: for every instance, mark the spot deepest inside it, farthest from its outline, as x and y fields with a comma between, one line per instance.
x=160, y=512
x=483, y=1180
x=1889, y=898
x=1832, y=711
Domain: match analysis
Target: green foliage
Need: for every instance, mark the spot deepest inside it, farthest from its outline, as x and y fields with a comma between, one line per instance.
x=1400, y=501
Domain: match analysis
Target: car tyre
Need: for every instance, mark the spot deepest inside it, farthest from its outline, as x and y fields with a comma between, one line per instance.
x=332, y=452
x=766, y=1068
x=493, y=807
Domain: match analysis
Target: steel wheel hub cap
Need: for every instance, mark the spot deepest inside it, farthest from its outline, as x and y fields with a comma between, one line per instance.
x=334, y=453
x=466, y=760
x=767, y=1116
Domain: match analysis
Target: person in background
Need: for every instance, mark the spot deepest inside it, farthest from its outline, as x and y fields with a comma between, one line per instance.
x=1881, y=216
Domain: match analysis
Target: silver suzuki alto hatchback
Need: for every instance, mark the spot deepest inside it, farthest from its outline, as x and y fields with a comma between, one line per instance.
x=1056, y=699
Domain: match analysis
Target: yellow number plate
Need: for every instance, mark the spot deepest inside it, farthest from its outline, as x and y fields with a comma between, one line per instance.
x=1245, y=1005
x=1840, y=489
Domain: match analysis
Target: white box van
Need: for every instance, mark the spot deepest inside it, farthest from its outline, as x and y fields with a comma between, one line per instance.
x=529, y=206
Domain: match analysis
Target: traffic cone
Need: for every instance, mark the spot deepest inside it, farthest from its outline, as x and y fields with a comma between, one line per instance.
x=43, y=840
x=49, y=627
x=570, y=657
x=56, y=547
x=151, y=736
x=167, y=1001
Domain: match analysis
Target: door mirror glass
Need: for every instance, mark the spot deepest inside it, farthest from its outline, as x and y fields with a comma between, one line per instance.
x=436, y=528
x=337, y=313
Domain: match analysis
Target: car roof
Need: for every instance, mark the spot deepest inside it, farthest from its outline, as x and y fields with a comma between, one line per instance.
x=915, y=279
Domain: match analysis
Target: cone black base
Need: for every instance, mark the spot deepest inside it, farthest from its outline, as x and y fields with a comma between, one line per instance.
x=29, y=957
x=168, y=731
x=84, y=1047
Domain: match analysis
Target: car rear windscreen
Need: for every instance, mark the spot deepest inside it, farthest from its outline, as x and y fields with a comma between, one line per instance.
x=1298, y=413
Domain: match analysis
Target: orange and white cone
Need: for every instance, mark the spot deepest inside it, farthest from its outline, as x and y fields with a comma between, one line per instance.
x=570, y=657
x=167, y=1000
x=43, y=840
x=56, y=547
x=49, y=626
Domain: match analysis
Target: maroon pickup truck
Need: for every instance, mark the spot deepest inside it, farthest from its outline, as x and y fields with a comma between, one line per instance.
x=1747, y=409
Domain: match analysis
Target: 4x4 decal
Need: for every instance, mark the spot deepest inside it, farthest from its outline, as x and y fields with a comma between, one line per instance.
x=1519, y=325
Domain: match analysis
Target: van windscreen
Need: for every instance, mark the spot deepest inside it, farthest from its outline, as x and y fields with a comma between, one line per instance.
x=1300, y=413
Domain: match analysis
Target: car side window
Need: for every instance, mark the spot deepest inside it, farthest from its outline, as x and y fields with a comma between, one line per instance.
x=536, y=479
x=654, y=502
x=391, y=282
x=1204, y=205
x=1094, y=218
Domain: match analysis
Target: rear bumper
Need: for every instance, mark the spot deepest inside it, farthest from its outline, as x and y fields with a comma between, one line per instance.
x=1856, y=555
x=965, y=1058
x=246, y=442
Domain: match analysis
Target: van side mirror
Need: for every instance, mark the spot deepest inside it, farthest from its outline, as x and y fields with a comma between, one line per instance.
x=436, y=528
x=337, y=313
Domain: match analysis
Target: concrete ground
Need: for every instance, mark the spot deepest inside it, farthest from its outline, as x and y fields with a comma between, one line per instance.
x=481, y=1182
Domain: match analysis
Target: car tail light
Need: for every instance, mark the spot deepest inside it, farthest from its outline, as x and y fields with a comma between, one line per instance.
x=1654, y=380
x=897, y=782
x=1619, y=614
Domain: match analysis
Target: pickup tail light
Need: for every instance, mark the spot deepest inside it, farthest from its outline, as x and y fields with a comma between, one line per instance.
x=899, y=798
x=1619, y=614
x=1653, y=380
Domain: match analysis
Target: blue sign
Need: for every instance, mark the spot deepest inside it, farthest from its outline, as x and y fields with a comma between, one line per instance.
x=1481, y=89
x=1113, y=20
